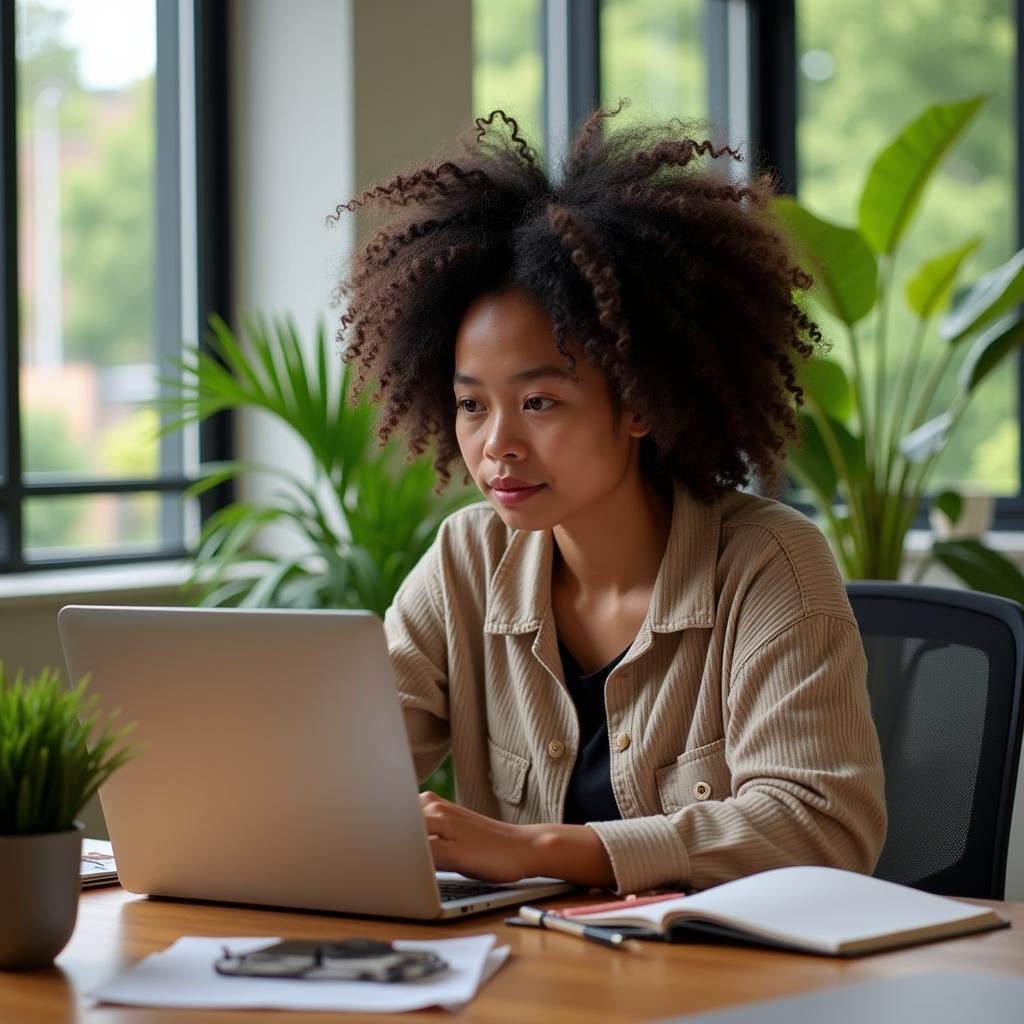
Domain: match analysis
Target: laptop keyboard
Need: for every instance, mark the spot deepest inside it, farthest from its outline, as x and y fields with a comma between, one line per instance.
x=462, y=890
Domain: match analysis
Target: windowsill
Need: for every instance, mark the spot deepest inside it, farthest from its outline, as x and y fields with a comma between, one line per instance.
x=1007, y=542
x=46, y=587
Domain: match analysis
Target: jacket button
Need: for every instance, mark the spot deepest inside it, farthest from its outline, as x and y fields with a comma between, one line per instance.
x=702, y=790
x=622, y=740
x=556, y=748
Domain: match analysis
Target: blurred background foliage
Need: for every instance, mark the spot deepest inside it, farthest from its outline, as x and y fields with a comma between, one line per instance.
x=107, y=198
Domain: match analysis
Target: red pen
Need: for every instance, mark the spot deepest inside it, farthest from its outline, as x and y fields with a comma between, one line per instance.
x=629, y=901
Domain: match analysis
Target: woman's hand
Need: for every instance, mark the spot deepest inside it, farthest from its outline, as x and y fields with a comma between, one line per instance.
x=474, y=844
x=495, y=851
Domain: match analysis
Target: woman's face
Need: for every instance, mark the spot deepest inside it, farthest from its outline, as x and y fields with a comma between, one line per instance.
x=541, y=446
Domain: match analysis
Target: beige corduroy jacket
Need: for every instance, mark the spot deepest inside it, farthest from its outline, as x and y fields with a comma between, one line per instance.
x=739, y=725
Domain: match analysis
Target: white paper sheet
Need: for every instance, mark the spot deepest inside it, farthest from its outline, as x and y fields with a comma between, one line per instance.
x=183, y=976
x=522, y=883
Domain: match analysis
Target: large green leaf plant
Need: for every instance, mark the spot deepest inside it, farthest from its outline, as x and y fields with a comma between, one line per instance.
x=868, y=453
x=363, y=514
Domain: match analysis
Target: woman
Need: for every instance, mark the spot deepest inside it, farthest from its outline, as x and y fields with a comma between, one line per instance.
x=646, y=676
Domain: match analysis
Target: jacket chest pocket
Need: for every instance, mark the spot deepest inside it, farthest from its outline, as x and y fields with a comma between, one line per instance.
x=696, y=776
x=507, y=774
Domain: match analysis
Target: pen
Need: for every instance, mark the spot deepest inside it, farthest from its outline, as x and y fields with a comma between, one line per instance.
x=545, y=919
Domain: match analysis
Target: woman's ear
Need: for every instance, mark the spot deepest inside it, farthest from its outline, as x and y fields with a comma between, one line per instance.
x=637, y=427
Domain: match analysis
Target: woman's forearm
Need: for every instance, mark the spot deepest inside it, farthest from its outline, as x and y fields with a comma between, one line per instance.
x=572, y=852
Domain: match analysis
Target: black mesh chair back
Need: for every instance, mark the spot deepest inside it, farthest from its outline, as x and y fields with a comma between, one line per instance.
x=945, y=671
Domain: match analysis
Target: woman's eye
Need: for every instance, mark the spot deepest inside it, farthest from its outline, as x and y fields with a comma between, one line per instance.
x=534, y=406
x=466, y=404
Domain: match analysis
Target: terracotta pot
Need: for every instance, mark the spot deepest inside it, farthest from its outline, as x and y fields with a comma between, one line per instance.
x=40, y=882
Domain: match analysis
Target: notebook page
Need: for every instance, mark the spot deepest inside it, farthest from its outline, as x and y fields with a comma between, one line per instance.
x=826, y=907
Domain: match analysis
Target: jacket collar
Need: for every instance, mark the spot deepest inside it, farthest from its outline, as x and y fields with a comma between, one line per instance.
x=519, y=597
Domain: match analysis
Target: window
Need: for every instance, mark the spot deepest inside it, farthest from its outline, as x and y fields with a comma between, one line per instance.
x=100, y=147
x=652, y=52
x=508, y=63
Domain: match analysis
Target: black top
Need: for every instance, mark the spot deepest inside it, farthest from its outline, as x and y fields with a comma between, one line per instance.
x=590, y=796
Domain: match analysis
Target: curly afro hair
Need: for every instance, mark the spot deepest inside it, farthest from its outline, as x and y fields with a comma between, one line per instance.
x=673, y=282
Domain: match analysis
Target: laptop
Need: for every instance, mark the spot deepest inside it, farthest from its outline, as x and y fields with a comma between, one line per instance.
x=277, y=769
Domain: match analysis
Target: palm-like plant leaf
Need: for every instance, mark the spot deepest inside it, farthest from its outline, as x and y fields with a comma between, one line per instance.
x=929, y=289
x=841, y=262
x=898, y=177
x=362, y=517
x=991, y=296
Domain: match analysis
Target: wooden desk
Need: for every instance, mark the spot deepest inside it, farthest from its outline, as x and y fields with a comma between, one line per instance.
x=549, y=977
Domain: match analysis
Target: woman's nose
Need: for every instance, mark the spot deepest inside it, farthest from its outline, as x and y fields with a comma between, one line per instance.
x=503, y=442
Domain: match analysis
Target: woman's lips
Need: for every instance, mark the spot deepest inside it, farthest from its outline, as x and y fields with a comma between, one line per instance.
x=516, y=496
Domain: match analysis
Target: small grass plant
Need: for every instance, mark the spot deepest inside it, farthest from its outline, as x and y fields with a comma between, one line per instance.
x=55, y=751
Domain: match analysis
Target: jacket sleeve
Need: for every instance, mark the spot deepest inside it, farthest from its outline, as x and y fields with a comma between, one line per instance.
x=805, y=765
x=414, y=625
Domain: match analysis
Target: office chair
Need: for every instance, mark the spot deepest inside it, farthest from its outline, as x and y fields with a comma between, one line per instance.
x=945, y=670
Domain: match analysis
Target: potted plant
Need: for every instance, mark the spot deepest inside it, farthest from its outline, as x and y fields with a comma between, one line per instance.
x=362, y=514
x=871, y=442
x=55, y=753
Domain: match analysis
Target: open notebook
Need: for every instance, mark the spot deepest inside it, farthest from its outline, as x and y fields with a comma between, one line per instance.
x=98, y=867
x=812, y=909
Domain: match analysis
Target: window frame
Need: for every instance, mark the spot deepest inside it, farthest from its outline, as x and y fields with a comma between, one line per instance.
x=213, y=292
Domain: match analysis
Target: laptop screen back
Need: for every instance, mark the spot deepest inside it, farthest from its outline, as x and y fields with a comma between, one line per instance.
x=277, y=767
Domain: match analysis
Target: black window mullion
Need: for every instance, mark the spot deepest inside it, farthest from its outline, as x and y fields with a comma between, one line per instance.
x=148, y=485
x=773, y=99
x=213, y=203
x=716, y=62
x=10, y=415
x=84, y=561
x=584, y=60
x=570, y=39
x=167, y=284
